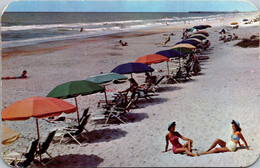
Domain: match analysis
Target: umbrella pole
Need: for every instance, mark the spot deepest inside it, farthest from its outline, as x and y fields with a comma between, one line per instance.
x=77, y=108
x=168, y=68
x=38, y=132
x=105, y=94
x=131, y=75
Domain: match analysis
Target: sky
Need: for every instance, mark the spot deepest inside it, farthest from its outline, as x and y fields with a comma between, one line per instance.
x=129, y=6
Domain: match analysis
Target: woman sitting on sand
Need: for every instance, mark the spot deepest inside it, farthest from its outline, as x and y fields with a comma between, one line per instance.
x=232, y=144
x=173, y=136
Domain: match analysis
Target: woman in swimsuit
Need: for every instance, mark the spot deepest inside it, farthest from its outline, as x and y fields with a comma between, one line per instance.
x=173, y=136
x=232, y=144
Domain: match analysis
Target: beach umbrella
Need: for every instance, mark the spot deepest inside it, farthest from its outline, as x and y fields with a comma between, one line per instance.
x=8, y=135
x=73, y=89
x=170, y=53
x=193, y=39
x=234, y=23
x=152, y=59
x=37, y=107
x=185, y=45
x=194, y=43
x=132, y=67
x=191, y=30
x=202, y=26
x=106, y=78
x=183, y=50
x=203, y=33
x=198, y=36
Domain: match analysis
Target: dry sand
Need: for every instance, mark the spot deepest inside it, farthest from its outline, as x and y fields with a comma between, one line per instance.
x=227, y=88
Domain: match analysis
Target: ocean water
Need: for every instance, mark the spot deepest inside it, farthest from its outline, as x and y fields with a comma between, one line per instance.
x=22, y=28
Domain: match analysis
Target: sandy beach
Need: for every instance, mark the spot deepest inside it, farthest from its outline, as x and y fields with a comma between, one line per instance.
x=227, y=88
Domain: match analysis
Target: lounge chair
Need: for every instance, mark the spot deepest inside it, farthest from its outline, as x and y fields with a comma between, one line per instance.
x=26, y=158
x=156, y=84
x=45, y=145
x=144, y=93
x=119, y=112
x=85, y=113
x=75, y=132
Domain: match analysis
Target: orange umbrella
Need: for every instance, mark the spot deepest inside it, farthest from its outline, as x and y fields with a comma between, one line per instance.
x=37, y=107
x=202, y=32
x=152, y=59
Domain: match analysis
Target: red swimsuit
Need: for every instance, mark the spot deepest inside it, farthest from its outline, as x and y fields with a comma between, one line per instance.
x=175, y=143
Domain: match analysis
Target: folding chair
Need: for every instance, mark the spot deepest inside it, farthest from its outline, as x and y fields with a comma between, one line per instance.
x=45, y=145
x=26, y=158
x=75, y=132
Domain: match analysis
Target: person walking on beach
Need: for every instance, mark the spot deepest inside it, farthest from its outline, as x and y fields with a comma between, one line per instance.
x=173, y=136
x=231, y=146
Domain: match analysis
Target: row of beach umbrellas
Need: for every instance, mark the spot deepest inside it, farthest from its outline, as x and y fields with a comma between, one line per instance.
x=52, y=105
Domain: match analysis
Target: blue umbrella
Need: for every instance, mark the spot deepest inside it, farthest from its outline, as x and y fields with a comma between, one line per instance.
x=202, y=26
x=170, y=53
x=194, y=43
x=132, y=67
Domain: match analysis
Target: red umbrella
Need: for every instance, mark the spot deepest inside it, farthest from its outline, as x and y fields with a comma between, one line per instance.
x=152, y=59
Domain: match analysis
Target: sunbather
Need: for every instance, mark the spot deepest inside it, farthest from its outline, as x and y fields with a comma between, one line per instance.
x=173, y=136
x=23, y=75
x=133, y=85
x=231, y=146
x=122, y=43
x=206, y=44
x=235, y=36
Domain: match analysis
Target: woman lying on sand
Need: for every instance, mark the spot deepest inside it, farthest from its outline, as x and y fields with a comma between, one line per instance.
x=232, y=144
x=23, y=75
x=173, y=136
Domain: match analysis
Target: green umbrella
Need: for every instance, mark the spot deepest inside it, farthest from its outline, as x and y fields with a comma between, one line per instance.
x=74, y=89
x=183, y=50
x=106, y=78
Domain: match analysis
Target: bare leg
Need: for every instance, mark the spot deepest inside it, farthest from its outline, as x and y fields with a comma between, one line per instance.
x=187, y=145
x=181, y=150
x=217, y=142
x=217, y=150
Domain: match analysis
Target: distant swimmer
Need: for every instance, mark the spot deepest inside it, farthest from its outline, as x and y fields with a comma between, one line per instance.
x=81, y=29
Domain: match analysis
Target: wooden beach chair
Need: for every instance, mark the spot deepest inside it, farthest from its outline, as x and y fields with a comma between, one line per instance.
x=26, y=158
x=75, y=132
x=45, y=145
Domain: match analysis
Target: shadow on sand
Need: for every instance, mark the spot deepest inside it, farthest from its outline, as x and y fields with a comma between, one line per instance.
x=75, y=160
x=105, y=135
x=167, y=88
x=142, y=103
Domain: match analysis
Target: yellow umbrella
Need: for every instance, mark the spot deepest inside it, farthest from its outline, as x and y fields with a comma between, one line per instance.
x=198, y=35
x=234, y=23
x=194, y=39
x=8, y=135
x=185, y=45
